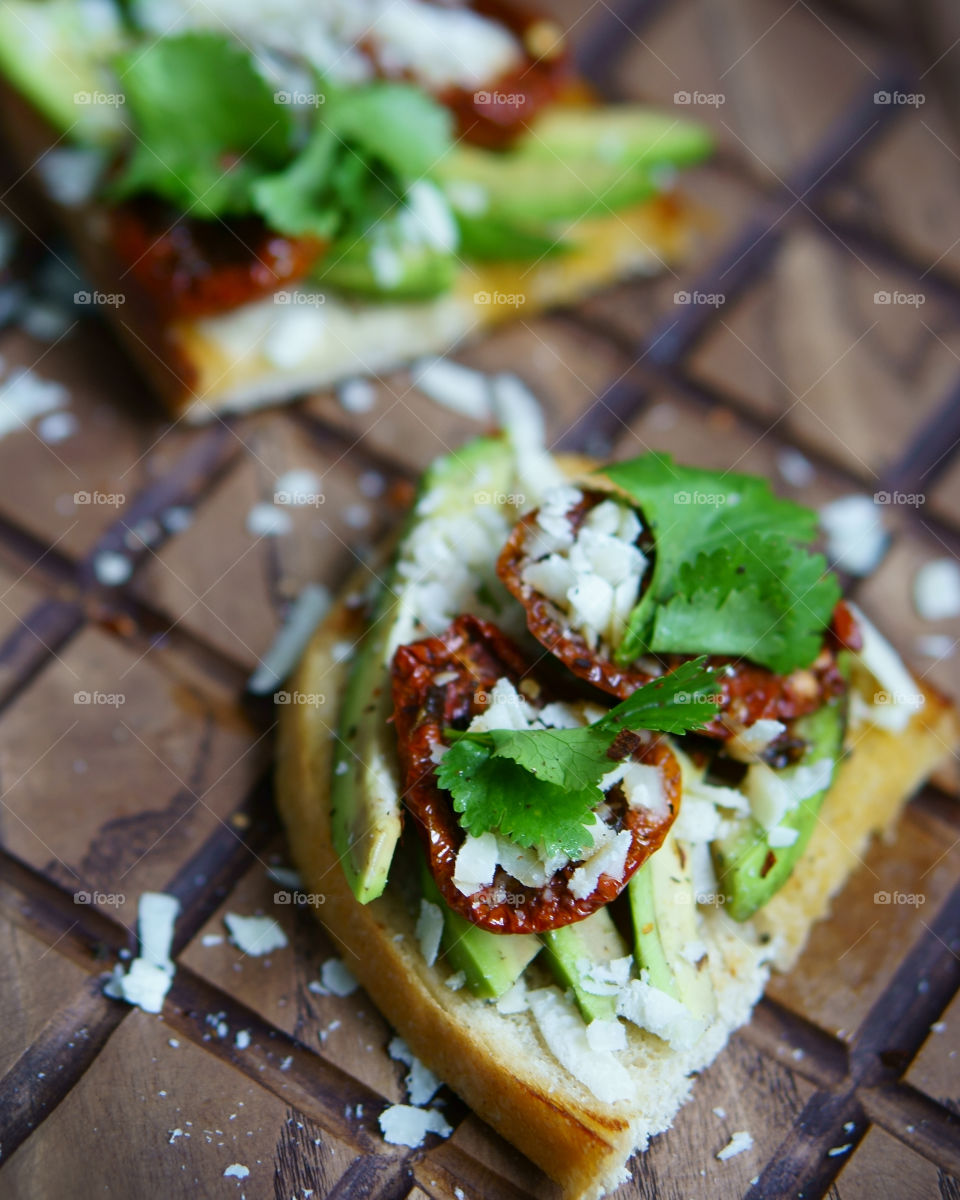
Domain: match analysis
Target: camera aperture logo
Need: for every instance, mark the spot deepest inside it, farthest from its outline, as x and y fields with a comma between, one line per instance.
x=297, y=299
x=706, y=99
x=504, y=99
x=513, y=499
x=107, y=99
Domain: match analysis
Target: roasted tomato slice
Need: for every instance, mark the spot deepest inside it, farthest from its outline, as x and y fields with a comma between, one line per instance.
x=195, y=268
x=440, y=682
x=494, y=114
x=748, y=691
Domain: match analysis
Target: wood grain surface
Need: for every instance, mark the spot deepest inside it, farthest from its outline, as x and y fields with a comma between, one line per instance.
x=772, y=346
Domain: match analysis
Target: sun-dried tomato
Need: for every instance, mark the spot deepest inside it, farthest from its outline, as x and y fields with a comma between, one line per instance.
x=748, y=692
x=442, y=681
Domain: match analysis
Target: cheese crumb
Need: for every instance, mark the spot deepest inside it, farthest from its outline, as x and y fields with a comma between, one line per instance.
x=255, y=935
x=338, y=978
x=429, y=931
x=405, y=1125
x=236, y=1171
x=739, y=1142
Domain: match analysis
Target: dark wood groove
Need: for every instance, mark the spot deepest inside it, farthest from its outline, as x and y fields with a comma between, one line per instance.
x=373, y=1177
x=603, y=43
x=928, y=454
x=44, y=632
x=55, y=1062
x=778, y=1032
x=918, y=1121
x=311, y=1083
x=195, y=474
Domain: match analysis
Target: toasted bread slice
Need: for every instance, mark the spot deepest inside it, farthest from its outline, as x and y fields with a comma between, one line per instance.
x=301, y=339
x=498, y=1063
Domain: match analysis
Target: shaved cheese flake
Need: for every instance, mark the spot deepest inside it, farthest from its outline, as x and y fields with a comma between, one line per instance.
x=454, y=386
x=753, y=739
x=514, y=999
x=899, y=696
x=476, y=863
x=739, y=1142
x=337, y=977
x=772, y=794
x=565, y=1034
x=936, y=590
x=610, y=861
x=404, y=1125
x=607, y=1036
x=604, y=978
x=236, y=1171
x=156, y=914
x=305, y=614
x=651, y=1009
x=255, y=935
x=145, y=985
x=429, y=931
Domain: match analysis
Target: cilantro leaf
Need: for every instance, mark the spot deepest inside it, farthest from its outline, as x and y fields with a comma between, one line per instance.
x=206, y=123
x=496, y=793
x=713, y=532
x=540, y=786
x=368, y=144
x=755, y=615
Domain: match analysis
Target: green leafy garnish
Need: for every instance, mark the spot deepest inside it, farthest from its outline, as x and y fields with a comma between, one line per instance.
x=205, y=122
x=211, y=137
x=731, y=572
x=538, y=787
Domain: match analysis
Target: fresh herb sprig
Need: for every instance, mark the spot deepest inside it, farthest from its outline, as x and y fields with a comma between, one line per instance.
x=538, y=787
x=732, y=572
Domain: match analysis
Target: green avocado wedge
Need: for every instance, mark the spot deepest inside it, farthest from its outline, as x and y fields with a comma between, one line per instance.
x=402, y=272
x=663, y=906
x=365, y=786
x=573, y=949
x=49, y=54
x=622, y=135
x=491, y=962
x=749, y=870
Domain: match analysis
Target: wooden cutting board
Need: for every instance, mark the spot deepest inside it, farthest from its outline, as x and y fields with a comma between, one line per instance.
x=825, y=200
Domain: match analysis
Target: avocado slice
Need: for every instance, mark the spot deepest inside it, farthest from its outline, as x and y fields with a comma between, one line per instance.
x=365, y=788
x=748, y=869
x=50, y=55
x=510, y=187
x=620, y=135
x=492, y=239
x=663, y=906
x=492, y=962
x=383, y=271
x=572, y=948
